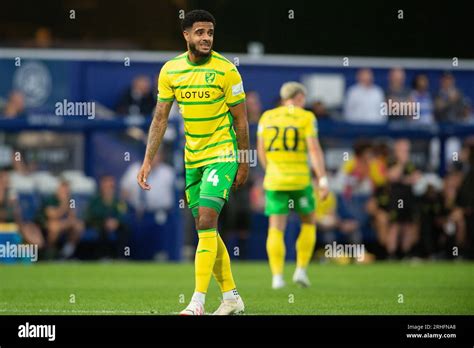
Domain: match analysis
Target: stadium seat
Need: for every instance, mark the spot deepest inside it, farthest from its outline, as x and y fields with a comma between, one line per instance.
x=83, y=185
x=71, y=174
x=45, y=182
x=29, y=204
x=81, y=201
x=22, y=183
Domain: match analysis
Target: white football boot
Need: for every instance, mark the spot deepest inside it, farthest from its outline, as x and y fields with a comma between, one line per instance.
x=301, y=278
x=230, y=307
x=193, y=308
x=278, y=282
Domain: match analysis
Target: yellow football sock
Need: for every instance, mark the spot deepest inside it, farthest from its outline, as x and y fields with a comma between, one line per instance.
x=305, y=245
x=276, y=250
x=205, y=258
x=222, y=271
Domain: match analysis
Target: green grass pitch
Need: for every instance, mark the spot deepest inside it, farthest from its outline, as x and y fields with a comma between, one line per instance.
x=165, y=288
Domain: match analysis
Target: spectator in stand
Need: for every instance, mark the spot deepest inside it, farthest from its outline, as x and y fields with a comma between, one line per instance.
x=57, y=217
x=453, y=219
x=10, y=212
x=254, y=111
x=106, y=213
x=364, y=100
x=329, y=222
x=440, y=225
x=378, y=204
x=396, y=90
x=431, y=222
x=150, y=210
x=138, y=99
x=355, y=172
x=464, y=209
x=421, y=95
x=468, y=114
x=402, y=175
x=43, y=38
x=254, y=106
x=236, y=220
x=449, y=101
x=366, y=172
x=161, y=179
x=319, y=109
x=15, y=105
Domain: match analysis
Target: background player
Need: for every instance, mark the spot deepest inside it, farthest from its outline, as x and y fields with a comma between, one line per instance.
x=210, y=94
x=286, y=136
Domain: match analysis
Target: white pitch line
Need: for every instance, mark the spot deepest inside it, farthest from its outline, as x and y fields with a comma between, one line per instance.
x=209, y=313
x=177, y=313
x=84, y=311
x=79, y=311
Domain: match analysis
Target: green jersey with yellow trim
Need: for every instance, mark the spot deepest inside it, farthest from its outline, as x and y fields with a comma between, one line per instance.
x=204, y=91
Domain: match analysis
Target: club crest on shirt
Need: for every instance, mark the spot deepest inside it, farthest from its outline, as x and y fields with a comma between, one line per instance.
x=210, y=77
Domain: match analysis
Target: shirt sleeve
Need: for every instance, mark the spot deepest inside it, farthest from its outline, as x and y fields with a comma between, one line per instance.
x=233, y=88
x=311, y=129
x=165, y=90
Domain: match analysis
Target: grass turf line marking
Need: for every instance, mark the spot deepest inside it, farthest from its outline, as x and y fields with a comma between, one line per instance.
x=79, y=311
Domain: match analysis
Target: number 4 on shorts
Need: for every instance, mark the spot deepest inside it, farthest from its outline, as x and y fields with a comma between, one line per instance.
x=213, y=177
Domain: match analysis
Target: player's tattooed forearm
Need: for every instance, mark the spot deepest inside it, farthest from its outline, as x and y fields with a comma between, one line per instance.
x=242, y=135
x=157, y=130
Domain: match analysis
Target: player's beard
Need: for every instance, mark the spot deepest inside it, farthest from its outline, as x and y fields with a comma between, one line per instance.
x=197, y=53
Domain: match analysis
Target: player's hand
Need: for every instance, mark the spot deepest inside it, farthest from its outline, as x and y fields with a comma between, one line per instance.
x=143, y=175
x=323, y=192
x=323, y=188
x=242, y=175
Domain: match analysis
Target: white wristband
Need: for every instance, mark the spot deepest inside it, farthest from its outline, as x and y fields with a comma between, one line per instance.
x=323, y=181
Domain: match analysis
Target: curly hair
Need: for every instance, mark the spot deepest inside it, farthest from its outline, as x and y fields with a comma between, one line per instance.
x=197, y=16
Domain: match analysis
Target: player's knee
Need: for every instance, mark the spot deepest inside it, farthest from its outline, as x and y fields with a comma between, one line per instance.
x=308, y=219
x=206, y=221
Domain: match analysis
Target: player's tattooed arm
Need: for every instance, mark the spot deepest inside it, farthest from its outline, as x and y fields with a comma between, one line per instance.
x=155, y=136
x=241, y=126
x=157, y=129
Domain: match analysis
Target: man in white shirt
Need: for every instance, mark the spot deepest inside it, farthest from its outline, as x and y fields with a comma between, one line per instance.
x=152, y=232
x=364, y=100
x=162, y=177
